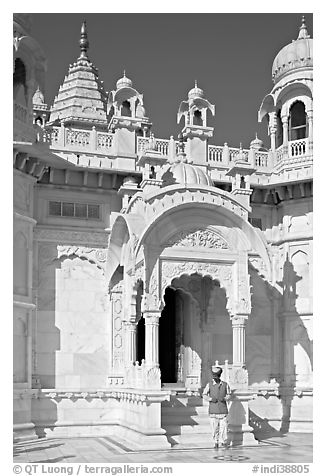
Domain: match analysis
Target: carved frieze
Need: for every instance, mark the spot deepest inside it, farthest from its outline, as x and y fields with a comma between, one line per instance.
x=198, y=238
x=151, y=299
x=71, y=237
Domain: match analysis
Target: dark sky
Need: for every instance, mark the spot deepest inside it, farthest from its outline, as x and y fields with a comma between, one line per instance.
x=230, y=55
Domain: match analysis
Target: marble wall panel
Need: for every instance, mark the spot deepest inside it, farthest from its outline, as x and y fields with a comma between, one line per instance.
x=72, y=327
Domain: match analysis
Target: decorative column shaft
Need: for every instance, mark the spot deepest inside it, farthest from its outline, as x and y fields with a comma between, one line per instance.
x=130, y=342
x=272, y=130
x=238, y=332
x=310, y=130
x=151, y=338
x=285, y=123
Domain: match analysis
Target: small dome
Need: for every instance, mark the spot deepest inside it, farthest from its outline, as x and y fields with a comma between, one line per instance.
x=124, y=82
x=195, y=92
x=129, y=179
x=184, y=174
x=256, y=143
x=38, y=97
x=298, y=54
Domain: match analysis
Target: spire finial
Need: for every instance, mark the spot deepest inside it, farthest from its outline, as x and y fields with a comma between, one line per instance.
x=124, y=73
x=83, y=42
x=303, y=32
x=196, y=83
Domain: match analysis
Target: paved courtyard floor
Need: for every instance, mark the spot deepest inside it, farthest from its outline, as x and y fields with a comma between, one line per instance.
x=292, y=448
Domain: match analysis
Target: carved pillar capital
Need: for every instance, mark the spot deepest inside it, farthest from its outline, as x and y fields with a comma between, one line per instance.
x=152, y=317
x=239, y=320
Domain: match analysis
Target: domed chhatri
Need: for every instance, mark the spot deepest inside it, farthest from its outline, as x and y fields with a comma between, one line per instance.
x=124, y=82
x=195, y=92
x=38, y=97
x=184, y=173
x=256, y=143
x=298, y=54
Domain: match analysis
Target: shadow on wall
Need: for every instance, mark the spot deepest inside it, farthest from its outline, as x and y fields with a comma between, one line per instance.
x=71, y=335
x=268, y=304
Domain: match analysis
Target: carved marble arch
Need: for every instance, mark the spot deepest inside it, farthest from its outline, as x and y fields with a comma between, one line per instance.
x=177, y=214
x=123, y=243
x=223, y=273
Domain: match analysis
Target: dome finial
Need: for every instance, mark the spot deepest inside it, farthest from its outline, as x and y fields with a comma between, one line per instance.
x=196, y=83
x=83, y=42
x=303, y=32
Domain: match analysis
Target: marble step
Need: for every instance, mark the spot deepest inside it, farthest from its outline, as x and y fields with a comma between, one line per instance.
x=185, y=428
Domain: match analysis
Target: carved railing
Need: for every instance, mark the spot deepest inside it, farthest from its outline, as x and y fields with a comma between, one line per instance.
x=51, y=135
x=104, y=141
x=298, y=147
x=161, y=145
x=67, y=138
x=261, y=159
x=142, y=376
x=77, y=138
x=215, y=153
x=295, y=155
x=142, y=144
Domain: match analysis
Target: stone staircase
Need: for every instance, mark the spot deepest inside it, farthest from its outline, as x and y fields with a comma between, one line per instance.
x=185, y=420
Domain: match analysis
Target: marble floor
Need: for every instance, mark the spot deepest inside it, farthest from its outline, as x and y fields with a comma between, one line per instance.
x=292, y=448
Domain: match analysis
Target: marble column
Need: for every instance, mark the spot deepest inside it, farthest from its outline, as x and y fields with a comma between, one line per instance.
x=310, y=130
x=238, y=332
x=151, y=338
x=130, y=342
x=285, y=123
x=272, y=130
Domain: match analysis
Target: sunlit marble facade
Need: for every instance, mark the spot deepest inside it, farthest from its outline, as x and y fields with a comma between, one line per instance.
x=141, y=261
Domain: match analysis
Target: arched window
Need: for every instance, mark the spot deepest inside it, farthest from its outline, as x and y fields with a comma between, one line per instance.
x=39, y=121
x=242, y=182
x=152, y=174
x=126, y=110
x=198, y=121
x=297, y=121
x=279, y=130
x=19, y=75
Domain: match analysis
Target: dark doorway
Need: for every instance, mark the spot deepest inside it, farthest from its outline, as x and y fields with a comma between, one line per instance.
x=140, y=333
x=167, y=338
x=140, y=340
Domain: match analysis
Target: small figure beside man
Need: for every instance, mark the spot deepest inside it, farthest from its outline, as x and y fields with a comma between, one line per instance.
x=217, y=393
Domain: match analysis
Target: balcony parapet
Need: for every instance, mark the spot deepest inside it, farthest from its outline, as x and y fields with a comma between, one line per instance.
x=78, y=140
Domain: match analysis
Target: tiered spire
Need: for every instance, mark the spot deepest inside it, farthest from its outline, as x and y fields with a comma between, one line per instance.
x=81, y=99
x=83, y=42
